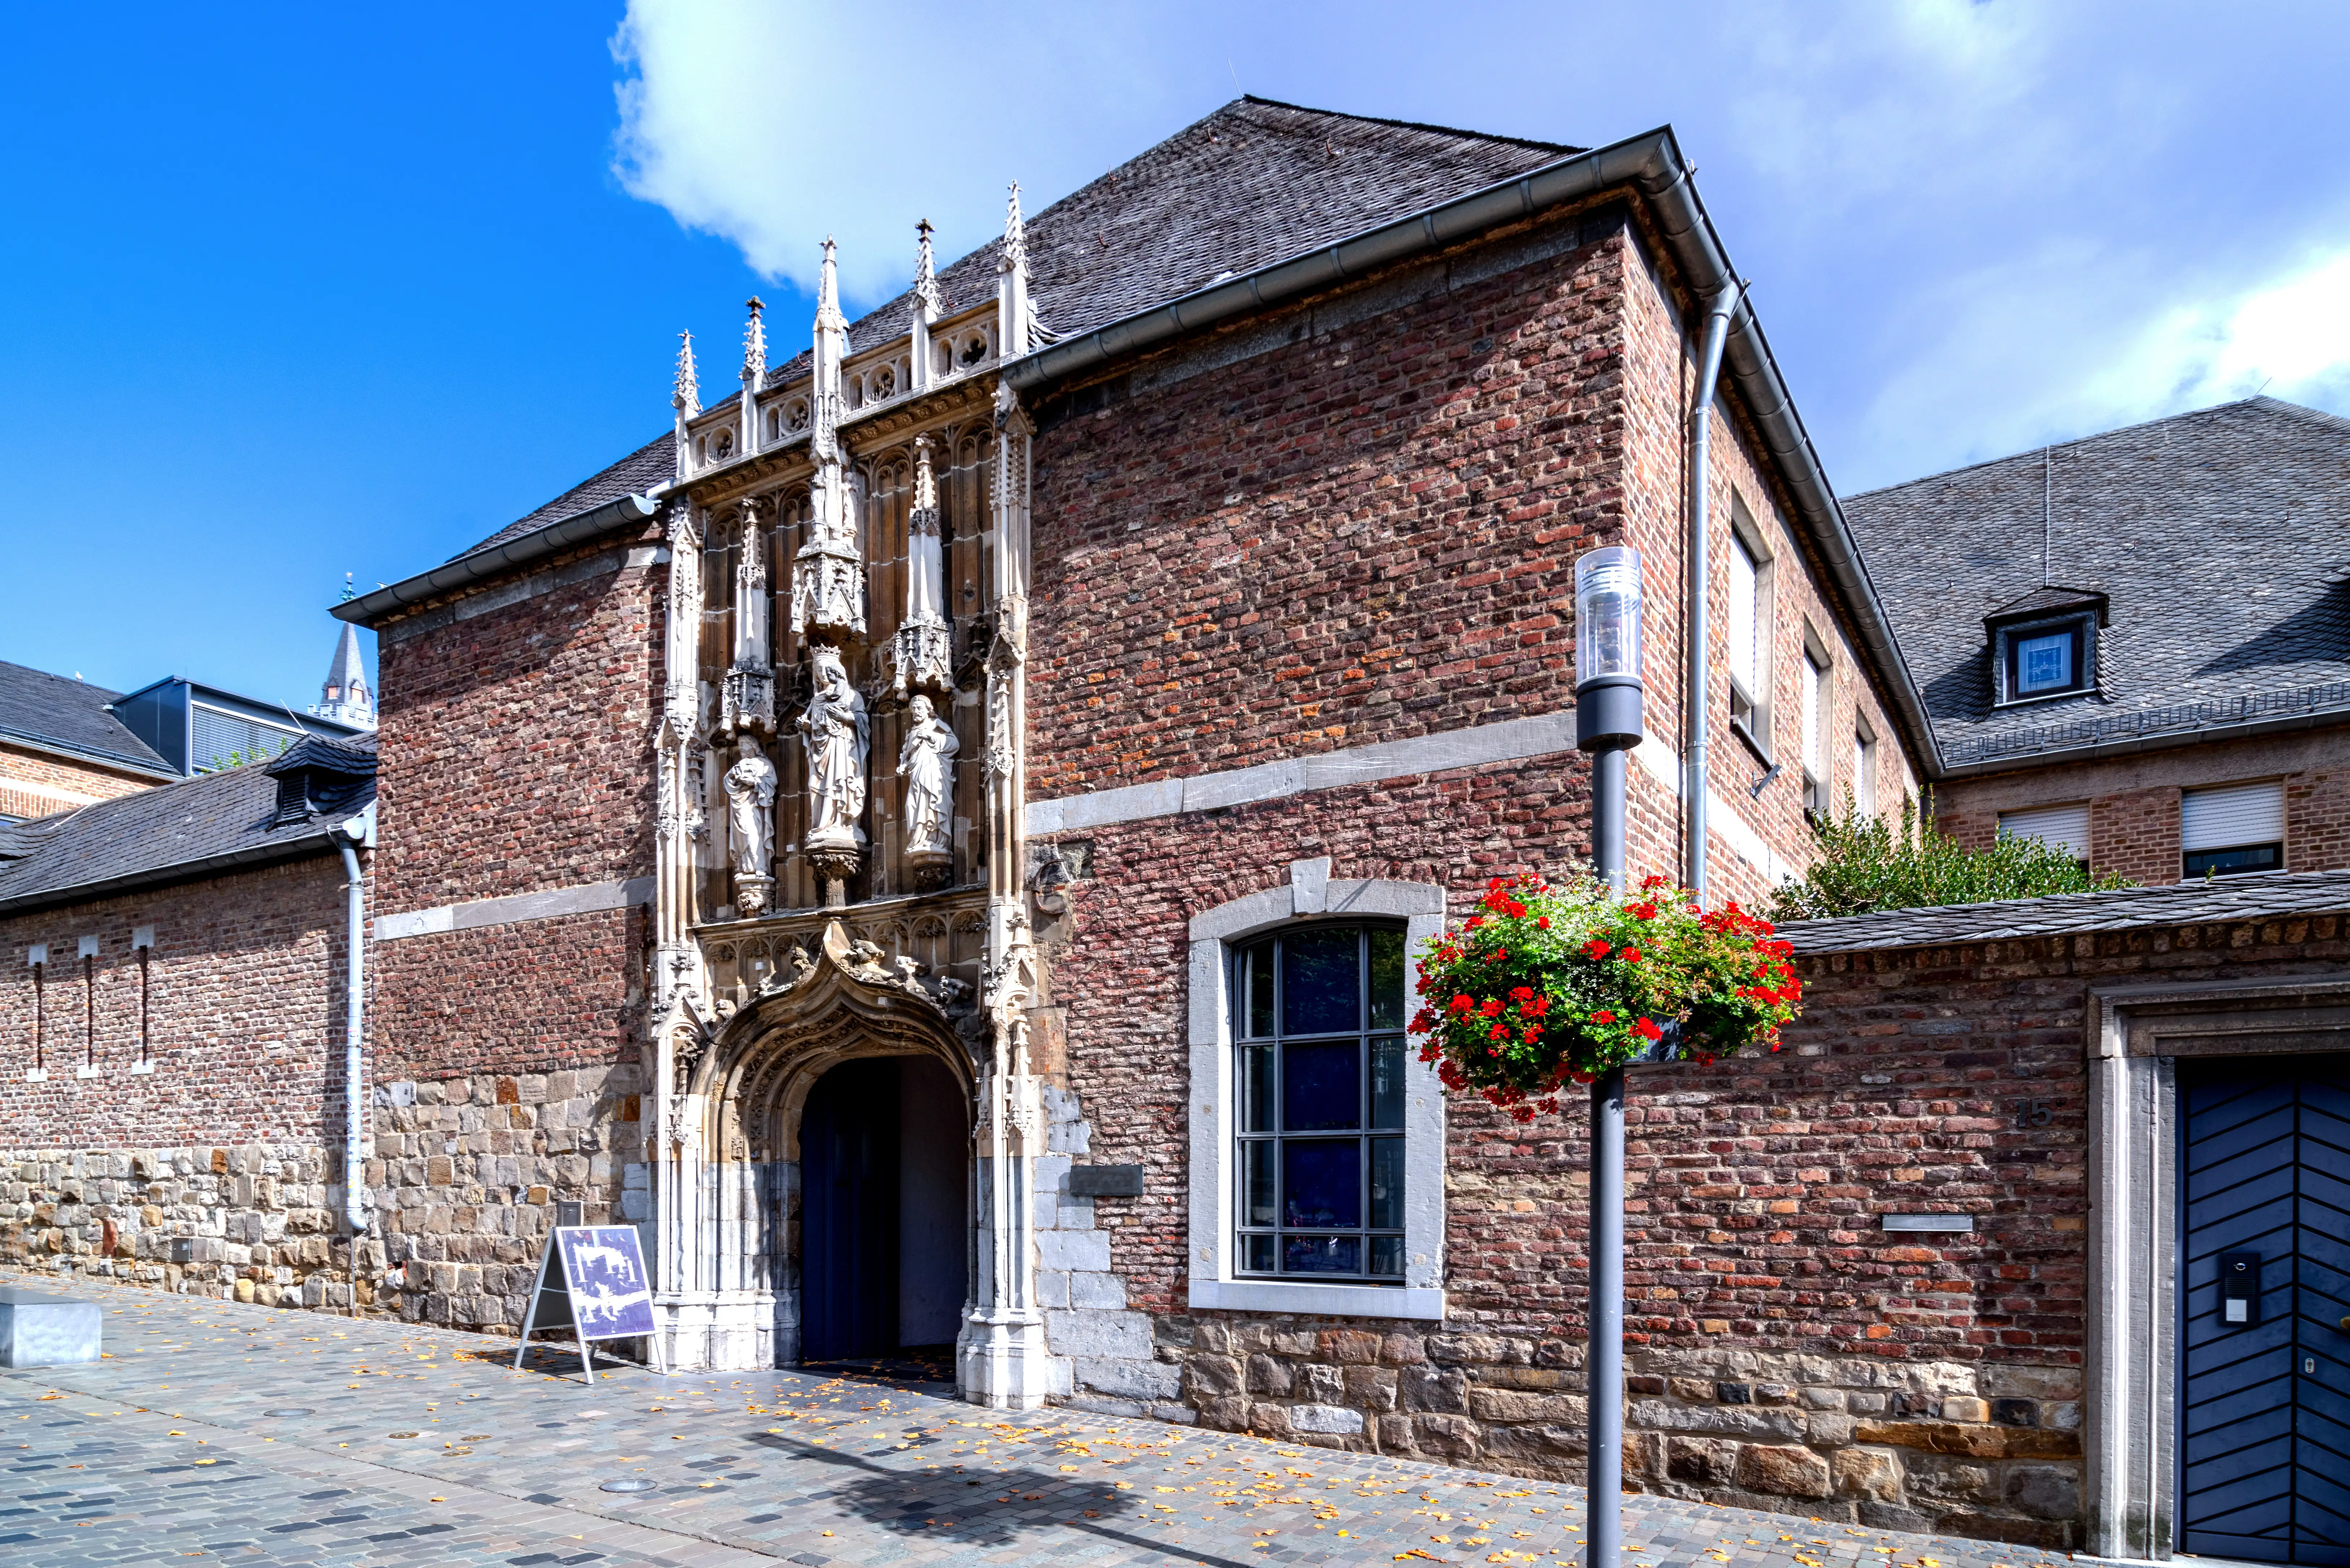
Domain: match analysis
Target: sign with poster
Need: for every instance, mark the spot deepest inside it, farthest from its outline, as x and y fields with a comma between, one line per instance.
x=592, y=1280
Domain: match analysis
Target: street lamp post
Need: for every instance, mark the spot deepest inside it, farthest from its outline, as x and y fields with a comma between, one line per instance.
x=1607, y=725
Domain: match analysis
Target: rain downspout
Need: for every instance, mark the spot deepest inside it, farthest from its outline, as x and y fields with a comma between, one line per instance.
x=348, y=834
x=1695, y=687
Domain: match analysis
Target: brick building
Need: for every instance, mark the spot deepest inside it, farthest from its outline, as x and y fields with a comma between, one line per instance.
x=61, y=747
x=173, y=1105
x=886, y=836
x=2142, y=657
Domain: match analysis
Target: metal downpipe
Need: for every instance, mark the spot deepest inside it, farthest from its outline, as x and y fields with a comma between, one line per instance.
x=1695, y=685
x=354, y=1016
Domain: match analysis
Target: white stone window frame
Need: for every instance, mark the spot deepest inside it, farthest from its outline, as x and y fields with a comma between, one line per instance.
x=1310, y=897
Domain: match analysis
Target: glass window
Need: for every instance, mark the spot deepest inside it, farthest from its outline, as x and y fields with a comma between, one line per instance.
x=1864, y=772
x=1320, y=1075
x=2045, y=660
x=1745, y=625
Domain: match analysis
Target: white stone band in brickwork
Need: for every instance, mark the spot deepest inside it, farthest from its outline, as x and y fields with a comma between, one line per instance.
x=1512, y=740
x=521, y=907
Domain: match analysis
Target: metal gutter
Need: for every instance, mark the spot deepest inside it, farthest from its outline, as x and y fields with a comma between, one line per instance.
x=2167, y=740
x=71, y=753
x=321, y=842
x=1651, y=164
x=370, y=610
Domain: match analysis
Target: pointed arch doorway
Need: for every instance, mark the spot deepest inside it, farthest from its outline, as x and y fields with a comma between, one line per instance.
x=883, y=1143
x=821, y=1174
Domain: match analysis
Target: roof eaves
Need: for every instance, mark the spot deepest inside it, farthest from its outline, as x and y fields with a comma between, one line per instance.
x=121, y=761
x=179, y=871
x=371, y=611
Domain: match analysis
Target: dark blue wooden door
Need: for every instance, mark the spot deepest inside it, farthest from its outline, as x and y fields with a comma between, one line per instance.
x=2265, y=1415
x=849, y=1212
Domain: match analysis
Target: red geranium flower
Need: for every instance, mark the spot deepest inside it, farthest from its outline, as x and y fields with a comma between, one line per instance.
x=1647, y=1029
x=1595, y=948
x=1605, y=1015
x=1630, y=955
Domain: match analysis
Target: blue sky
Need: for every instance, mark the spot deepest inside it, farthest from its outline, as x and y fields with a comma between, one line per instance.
x=335, y=290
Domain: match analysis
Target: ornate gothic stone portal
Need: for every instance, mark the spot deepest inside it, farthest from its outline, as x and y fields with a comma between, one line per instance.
x=827, y=926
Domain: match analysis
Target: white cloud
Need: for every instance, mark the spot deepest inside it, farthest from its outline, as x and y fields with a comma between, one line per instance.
x=775, y=126
x=1974, y=225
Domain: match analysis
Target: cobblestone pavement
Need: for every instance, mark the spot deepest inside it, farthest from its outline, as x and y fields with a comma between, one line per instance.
x=259, y=1435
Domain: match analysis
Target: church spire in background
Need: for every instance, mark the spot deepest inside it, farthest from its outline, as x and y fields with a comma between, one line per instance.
x=345, y=696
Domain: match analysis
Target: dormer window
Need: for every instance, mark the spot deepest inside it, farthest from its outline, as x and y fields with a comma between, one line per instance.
x=2044, y=661
x=2045, y=645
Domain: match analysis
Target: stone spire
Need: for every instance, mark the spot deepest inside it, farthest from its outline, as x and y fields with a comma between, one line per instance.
x=1012, y=284
x=831, y=349
x=754, y=346
x=929, y=303
x=687, y=396
x=345, y=696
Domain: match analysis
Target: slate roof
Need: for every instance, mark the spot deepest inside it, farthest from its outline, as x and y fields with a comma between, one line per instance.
x=70, y=715
x=1253, y=183
x=210, y=822
x=2218, y=899
x=2220, y=539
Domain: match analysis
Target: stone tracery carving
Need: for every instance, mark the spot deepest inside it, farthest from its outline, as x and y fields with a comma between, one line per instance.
x=920, y=650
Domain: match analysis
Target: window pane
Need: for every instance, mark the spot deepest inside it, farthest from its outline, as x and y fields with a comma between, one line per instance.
x=1386, y=1184
x=1257, y=1255
x=1256, y=1088
x=1742, y=629
x=1322, y=1254
x=1321, y=1086
x=1257, y=969
x=1322, y=1180
x=1387, y=1256
x=1257, y=1183
x=1387, y=980
x=1386, y=1082
x=2044, y=663
x=1321, y=982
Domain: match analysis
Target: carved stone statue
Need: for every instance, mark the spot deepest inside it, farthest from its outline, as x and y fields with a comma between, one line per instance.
x=922, y=762
x=838, y=736
x=750, y=787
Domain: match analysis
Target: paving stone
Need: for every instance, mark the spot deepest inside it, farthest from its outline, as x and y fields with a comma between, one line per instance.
x=419, y=1445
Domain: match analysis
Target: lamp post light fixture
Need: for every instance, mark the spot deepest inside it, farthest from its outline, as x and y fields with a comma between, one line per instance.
x=1607, y=725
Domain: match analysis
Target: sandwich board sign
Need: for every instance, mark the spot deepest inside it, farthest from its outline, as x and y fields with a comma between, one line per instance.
x=592, y=1280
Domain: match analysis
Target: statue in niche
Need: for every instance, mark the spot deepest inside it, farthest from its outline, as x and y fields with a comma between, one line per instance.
x=922, y=762
x=750, y=787
x=838, y=736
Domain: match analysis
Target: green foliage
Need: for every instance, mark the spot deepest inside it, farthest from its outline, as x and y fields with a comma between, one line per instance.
x=1868, y=863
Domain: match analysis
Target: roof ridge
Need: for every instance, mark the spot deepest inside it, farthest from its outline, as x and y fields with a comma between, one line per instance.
x=2277, y=404
x=1400, y=124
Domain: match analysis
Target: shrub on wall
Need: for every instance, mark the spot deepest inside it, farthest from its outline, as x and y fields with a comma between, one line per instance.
x=1868, y=863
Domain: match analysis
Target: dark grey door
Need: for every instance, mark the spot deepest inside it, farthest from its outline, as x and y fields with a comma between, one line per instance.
x=2265, y=1413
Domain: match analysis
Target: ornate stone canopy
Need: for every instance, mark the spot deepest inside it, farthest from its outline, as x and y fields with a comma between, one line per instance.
x=839, y=1003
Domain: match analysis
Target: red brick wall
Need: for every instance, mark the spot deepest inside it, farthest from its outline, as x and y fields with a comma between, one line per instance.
x=516, y=758
x=515, y=745
x=1362, y=537
x=245, y=1015
x=37, y=783
x=2133, y=800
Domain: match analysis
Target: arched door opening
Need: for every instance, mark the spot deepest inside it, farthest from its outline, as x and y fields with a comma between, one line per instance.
x=883, y=1146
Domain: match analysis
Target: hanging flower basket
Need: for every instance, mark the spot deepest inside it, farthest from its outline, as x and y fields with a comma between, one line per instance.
x=1547, y=985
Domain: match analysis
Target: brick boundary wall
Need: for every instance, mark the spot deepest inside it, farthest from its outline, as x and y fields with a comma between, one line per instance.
x=1783, y=1352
